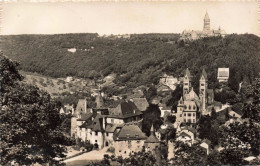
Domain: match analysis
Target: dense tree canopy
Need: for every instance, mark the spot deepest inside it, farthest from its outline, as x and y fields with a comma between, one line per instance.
x=138, y=60
x=30, y=122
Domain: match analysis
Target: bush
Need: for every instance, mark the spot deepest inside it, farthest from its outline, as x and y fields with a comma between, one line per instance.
x=111, y=149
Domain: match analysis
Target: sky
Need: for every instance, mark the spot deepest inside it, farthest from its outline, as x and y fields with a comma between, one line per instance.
x=127, y=17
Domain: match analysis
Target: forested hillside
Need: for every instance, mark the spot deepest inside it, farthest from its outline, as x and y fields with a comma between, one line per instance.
x=140, y=59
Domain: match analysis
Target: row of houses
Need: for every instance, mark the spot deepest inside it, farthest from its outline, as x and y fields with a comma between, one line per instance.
x=118, y=127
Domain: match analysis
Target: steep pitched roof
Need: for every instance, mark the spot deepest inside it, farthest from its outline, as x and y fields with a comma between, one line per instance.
x=206, y=16
x=141, y=103
x=81, y=107
x=204, y=75
x=152, y=138
x=131, y=132
x=124, y=110
x=97, y=123
x=187, y=73
x=191, y=96
x=110, y=128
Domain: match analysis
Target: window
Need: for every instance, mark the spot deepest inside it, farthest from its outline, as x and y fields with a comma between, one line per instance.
x=119, y=151
x=194, y=107
x=186, y=84
x=112, y=120
x=184, y=114
x=125, y=152
x=107, y=134
x=194, y=121
x=96, y=133
x=201, y=84
x=95, y=140
x=189, y=107
x=189, y=120
x=194, y=114
x=184, y=120
x=189, y=114
x=180, y=115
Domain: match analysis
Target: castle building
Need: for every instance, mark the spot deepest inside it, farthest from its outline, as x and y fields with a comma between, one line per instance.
x=130, y=139
x=99, y=125
x=191, y=106
x=206, y=32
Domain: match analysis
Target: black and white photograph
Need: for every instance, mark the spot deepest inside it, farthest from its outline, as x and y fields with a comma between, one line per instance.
x=129, y=83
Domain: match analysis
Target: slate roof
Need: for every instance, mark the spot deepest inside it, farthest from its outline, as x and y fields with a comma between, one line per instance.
x=131, y=132
x=141, y=103
x=204, y=74
x=187, y=73
x=206, y=16
x=191, y=95
x=125, y=110
x=97, y=123
x=152, y=138
x=81, y=107
x=110, y=128
x=87, y=124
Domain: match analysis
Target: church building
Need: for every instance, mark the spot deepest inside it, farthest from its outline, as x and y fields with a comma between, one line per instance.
x=206, y=32
x=191, y=106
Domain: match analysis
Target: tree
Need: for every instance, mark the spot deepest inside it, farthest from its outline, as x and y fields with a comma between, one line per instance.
x=169, y=134
x=30, y=122
x=151, y=116
x=189, y=155
x=251, y=109
x=140, y=158
x=208, y=129
x=171, y=118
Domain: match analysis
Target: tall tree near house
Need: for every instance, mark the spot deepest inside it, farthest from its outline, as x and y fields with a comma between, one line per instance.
x=30, y=122
x=151, y=116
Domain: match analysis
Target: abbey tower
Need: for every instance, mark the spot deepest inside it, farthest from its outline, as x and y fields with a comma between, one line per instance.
x=206, y=22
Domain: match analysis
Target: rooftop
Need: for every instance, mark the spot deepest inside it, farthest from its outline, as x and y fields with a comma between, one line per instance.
x=131, y=132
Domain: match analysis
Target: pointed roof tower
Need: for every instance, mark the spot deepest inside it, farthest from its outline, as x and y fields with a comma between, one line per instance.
x=152, y=138
x=206, y=16
x=187, y=73
x=204, y=75
x=99, y=100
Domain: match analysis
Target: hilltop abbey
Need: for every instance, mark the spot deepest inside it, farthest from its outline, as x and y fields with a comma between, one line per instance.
x=207, y=32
